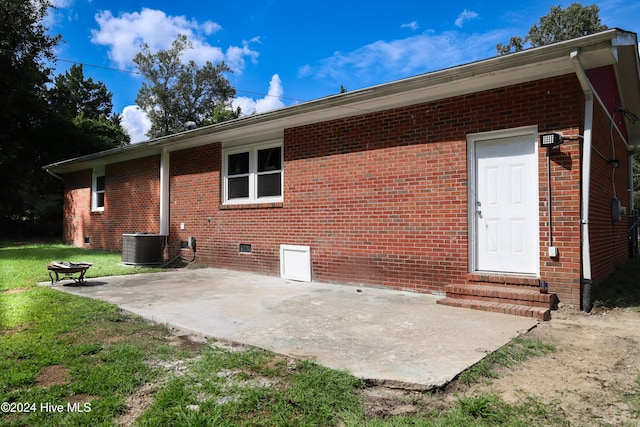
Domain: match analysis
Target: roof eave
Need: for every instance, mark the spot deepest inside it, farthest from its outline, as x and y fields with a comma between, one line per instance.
x=625, y=51
x=538, y=63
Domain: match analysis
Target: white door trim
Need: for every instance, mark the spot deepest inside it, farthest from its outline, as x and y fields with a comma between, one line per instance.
x=472, y=140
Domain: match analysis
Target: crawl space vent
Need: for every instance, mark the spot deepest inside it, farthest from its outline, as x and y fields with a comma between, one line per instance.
x=295, y=262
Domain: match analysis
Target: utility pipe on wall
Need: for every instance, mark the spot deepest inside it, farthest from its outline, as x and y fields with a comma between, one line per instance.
x=587, y=280
x=164, y=192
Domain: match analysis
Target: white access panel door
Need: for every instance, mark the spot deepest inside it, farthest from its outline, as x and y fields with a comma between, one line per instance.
x=507, y=229
x=295, y=262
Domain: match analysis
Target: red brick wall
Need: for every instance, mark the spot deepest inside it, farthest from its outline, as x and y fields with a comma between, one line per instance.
x=132, y=200
x=609, y=239
x=378, y=201
x=380, y=198
x=194, y=200
x=77, y=207
x=564, y=272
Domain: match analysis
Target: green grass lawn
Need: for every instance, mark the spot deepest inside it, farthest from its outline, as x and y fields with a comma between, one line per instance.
x=69, y=360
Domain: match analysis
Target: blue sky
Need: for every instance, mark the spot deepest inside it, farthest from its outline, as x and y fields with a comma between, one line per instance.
x=284, y=52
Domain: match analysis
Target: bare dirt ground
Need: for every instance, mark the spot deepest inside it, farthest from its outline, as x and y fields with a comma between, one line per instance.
x=593, y=373
x=590, y=379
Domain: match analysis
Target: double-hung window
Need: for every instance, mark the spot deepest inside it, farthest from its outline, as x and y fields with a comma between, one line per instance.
x=253, y=174
x=97, y=190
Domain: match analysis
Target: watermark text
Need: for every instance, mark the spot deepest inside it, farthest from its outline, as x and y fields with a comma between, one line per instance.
x=48, y=407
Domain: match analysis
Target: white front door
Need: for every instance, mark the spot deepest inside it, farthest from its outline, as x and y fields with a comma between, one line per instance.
x=507, y=235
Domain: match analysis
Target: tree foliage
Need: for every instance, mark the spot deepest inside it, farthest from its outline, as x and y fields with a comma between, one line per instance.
x=36, y=129
x=72, y=94
x=25, y=48
x=221, y=113
x=175, y=92
x=87, y=106
x=557, y=26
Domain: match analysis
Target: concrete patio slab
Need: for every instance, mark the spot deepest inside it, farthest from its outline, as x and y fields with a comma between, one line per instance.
x=384, y=336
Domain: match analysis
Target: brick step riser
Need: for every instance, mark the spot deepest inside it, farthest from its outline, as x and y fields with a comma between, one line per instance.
x=499, y=280
x=517, y=310
x=506, y=291
x=507, y=294
x=535, y=287
x=516, y=301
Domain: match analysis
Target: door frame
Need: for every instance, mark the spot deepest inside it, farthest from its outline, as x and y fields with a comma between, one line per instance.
x=472, y=140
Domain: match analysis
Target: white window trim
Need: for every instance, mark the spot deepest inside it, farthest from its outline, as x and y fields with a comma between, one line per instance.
x=97, y=172
x=253, y=174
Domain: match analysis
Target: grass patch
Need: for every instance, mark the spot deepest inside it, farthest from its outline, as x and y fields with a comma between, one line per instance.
x=254, y=387
x=48, y=329
x=514, y=353
x=24, y=266
x=485, y=410
x=59, y=349
x=91, y=353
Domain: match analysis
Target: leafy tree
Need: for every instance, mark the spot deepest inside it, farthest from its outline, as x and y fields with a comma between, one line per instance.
x=175, y=93
x=39, y=127
x=557, y=26
x=24, y=49
x=222, y=113
x=87, y=105
x=72, y=95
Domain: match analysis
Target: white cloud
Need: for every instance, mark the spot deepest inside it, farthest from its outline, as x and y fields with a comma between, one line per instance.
x=56, y=14
x=136, y=123
x=235, y=56
x=271, y=101
x=413, y=25
x=125, y=34
x=306, y=70
x=384, y=61
x=466, y=15
x=61, y=4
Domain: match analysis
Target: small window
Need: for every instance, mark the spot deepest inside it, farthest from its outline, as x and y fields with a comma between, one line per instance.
x=238, y=176
x=98, y=190
x=269, y=168
x=253, y=175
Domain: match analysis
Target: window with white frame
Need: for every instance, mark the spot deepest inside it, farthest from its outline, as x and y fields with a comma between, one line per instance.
x=253, y=174
x=97, y=190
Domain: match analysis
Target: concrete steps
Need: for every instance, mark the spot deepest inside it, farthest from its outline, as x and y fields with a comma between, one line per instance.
x=514, y=295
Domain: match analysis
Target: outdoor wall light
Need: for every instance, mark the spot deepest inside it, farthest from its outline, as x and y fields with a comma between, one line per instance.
x=550, y=140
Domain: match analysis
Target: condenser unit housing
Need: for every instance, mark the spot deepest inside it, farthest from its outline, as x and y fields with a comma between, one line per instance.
x=142, y=249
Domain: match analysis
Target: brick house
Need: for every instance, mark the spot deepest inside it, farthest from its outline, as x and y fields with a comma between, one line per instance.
x=436, y=183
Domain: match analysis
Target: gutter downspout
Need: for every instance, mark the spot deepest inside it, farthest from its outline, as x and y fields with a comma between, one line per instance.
x=587, y=282
x=164, y=193
x=54, y=175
